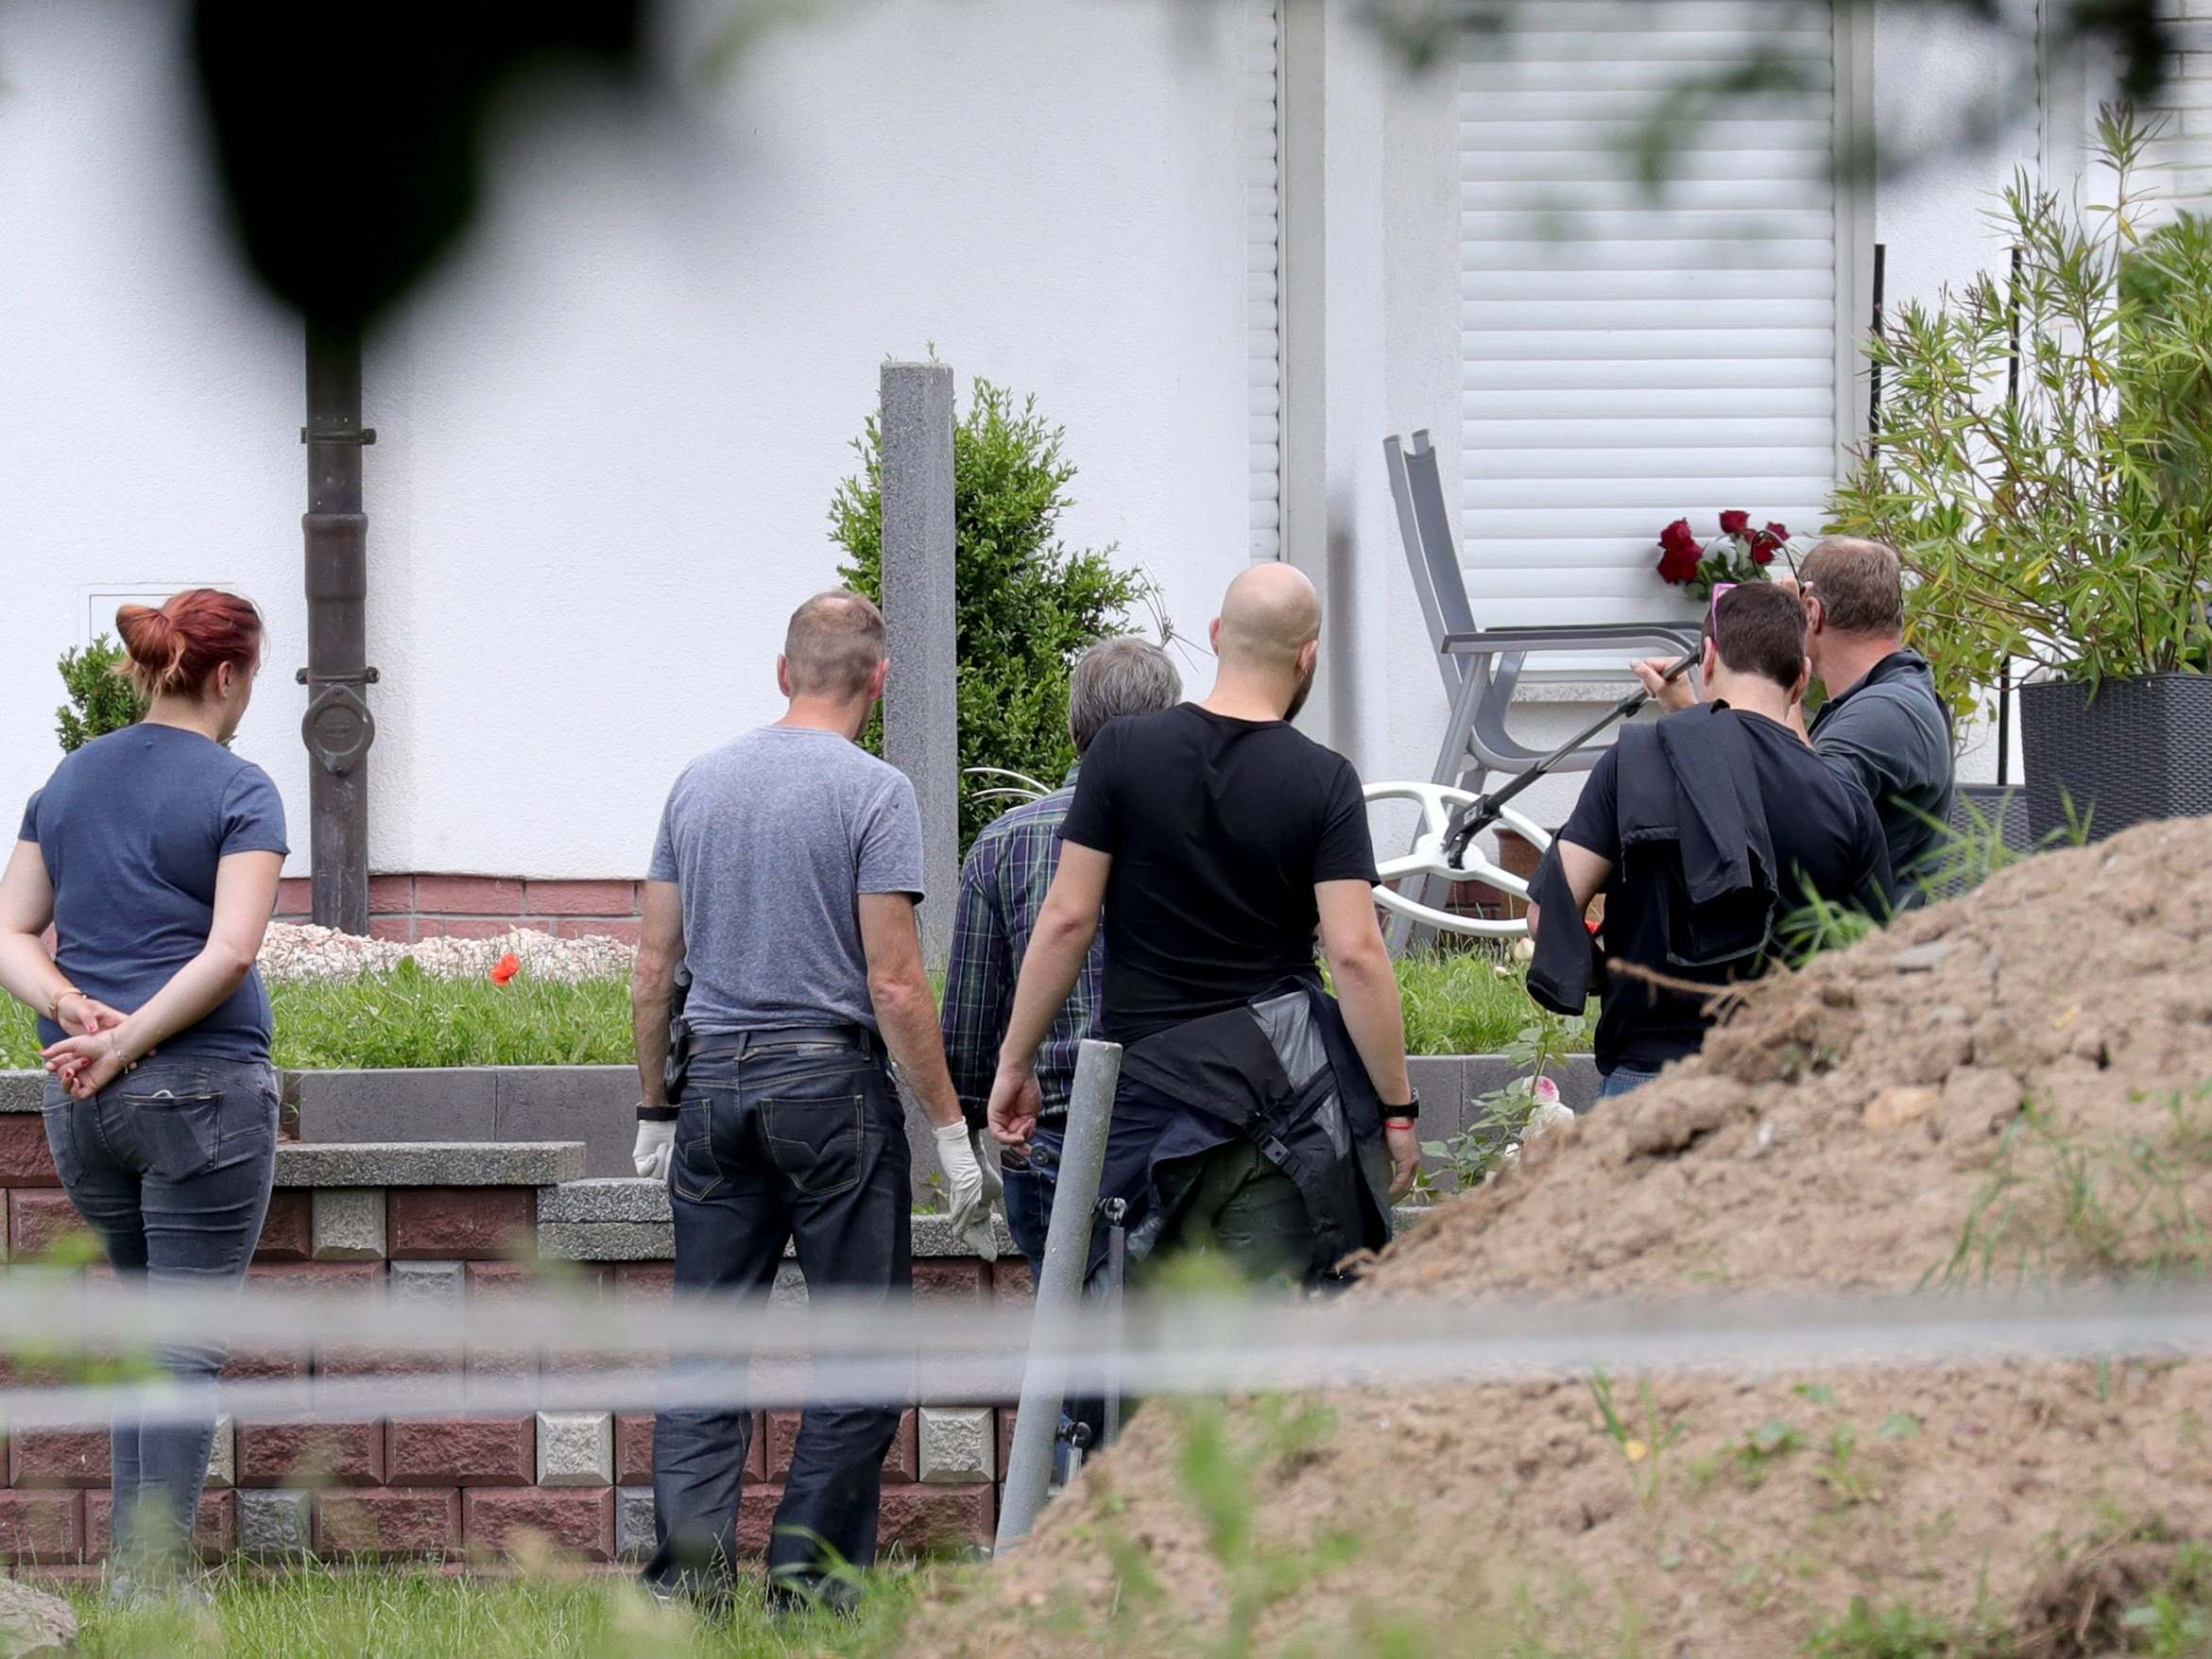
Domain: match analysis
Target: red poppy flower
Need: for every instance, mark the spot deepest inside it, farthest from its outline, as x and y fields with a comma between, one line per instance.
x=505, y=968
x=1735, y=524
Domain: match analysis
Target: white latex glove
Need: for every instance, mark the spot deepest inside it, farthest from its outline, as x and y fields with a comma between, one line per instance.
x=974, y=1188
x=656, y=1148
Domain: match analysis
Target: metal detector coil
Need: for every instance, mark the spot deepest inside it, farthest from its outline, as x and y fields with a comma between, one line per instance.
x=1444, y=812
x=1443, y=846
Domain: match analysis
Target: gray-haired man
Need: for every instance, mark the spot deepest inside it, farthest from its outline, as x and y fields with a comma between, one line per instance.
x=1008, y=872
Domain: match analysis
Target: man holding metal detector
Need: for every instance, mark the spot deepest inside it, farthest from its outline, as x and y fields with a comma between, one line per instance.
x=1704, y=831
x=784, y=880
x=1883, y=722
x=1255, y=1113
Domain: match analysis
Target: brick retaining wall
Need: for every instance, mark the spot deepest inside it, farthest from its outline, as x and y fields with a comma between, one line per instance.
x=442, y=1224
x=410, y=907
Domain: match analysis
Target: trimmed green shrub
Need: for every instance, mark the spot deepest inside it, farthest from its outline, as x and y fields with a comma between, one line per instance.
x=1027, y=603
x=100, y=699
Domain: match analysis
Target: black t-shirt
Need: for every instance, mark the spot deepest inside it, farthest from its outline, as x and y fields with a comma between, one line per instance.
x=1219, y=830
x=1827, y=841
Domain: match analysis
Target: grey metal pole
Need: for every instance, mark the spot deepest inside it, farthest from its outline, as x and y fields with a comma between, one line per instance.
x=921, y=709
x=1059, y=1287
x=339, y=727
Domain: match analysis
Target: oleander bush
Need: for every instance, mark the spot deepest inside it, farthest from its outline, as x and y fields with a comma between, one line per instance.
x=2044, y=458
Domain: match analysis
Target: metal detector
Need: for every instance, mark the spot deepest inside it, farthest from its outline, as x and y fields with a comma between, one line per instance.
x=1486, y=809
x=1451, y=818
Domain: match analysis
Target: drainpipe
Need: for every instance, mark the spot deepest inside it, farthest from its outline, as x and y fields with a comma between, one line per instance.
x=338, y=727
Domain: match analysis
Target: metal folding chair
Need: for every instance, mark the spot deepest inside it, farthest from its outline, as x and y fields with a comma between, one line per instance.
x=1481, y=667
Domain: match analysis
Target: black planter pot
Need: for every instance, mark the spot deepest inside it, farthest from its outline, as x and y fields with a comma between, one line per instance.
x=1976, y=810
x=2139, y=749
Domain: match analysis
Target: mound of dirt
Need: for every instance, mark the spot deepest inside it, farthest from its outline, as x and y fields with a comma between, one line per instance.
x=2004, y=1088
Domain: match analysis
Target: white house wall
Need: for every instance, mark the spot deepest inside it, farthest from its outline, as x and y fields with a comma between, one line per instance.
x=609, y=430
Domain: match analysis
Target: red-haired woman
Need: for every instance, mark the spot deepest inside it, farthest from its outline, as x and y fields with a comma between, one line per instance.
x=154, y=851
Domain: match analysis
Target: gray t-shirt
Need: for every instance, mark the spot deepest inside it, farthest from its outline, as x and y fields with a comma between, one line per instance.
x=771, y=840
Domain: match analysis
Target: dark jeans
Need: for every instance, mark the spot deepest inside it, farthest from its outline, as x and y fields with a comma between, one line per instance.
x=1232, y=1202
x=1624, y=1080
x=170, y=1165
x=777, y=1140
x=1029, y=1191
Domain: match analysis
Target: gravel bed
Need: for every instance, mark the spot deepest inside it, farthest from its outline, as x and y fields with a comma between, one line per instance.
x=294, y=953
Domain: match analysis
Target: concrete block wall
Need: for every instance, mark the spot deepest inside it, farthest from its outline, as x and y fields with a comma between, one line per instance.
x=410, y=907
x=591, y=1104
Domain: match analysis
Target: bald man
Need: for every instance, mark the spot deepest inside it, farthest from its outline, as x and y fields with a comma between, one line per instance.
x=1255, y=1113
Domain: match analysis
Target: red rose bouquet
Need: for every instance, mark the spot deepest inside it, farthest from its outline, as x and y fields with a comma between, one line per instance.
x=1738, y=554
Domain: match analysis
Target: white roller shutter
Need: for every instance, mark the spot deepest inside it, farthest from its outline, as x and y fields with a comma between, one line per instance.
x=1263, y=270
x=2178, y=163
x=1629, y=358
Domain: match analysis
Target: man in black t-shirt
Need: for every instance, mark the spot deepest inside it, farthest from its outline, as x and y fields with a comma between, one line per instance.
x=1217, y=841
x=1706, y=831
x=1884, y=722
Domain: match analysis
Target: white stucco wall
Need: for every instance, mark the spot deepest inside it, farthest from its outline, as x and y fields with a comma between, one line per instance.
x=608, y=431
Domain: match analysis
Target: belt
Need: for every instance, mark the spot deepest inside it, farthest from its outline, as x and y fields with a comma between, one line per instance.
x=723, y=1043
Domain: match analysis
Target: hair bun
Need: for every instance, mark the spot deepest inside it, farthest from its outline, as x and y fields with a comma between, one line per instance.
x=149, y=636
x=174, y=649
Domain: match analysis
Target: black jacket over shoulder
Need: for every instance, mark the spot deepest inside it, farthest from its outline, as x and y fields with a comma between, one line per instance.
x=1280, y=1072
x=1718, y=825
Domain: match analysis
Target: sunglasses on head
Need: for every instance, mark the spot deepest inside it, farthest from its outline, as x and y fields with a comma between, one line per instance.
x=1713, y=610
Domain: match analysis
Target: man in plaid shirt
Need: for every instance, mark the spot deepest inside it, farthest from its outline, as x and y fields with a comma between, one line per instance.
x=1009, y=870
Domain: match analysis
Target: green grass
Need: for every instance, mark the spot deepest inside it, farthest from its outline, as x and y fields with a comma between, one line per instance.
x=427, y=1614
x=409, y=1018
x=1455, y=1004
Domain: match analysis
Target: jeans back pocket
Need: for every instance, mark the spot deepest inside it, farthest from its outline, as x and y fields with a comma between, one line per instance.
x=693, y=1171
x=818, y=1142
x=177, y=1133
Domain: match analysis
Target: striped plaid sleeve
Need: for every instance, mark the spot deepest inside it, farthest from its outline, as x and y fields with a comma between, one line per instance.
x=978, y=985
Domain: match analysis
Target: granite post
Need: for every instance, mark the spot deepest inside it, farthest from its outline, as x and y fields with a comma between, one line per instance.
x=921, y=734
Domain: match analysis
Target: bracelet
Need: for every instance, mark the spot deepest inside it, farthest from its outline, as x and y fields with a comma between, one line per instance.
x=655, y=1114
x=1397, y=1123
x=53, y=1002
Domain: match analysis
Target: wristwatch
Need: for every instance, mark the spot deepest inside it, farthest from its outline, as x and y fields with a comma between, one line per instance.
x=655, y=1114
x=1409, y=1113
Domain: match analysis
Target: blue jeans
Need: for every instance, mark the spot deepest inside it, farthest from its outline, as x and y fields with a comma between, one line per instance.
x=171, y=1166
x=1029, y=1191
x=1624, y=1080
x=780, y=1139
